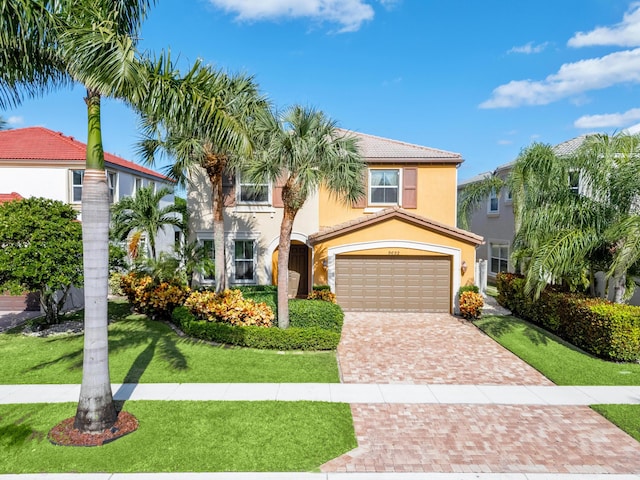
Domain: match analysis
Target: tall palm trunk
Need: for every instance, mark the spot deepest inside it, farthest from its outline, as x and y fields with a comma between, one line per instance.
x=284, y=246
x=96, y=409
x=215, y=166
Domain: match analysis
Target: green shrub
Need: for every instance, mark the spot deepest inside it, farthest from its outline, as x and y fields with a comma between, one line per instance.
x=322, y=287
x=315, y=313
x=600, y=327
x=293, y=338
x=468, y=288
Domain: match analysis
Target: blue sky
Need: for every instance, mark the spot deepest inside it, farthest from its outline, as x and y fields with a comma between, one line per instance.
x=482, y=78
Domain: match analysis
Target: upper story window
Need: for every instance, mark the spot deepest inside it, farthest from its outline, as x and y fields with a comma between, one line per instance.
x=253, y=193
x=384, y=187
x=574, y=182
x=76, y=185
x=112, y=183
x=494, y=205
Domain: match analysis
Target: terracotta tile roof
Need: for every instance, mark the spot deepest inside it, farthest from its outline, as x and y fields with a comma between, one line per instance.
x=9, y=197
x=387, y=214
x=39, y=143
x=384, y=149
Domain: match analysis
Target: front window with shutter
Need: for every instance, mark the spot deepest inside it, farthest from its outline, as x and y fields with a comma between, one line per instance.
x=384, y=187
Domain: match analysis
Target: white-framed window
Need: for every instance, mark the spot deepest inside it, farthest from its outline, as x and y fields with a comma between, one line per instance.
x=384, y=186
x=493, y=205
x=137, y=185
x=574, y=182
x=112, y=184
x=77, y=176
x=252, y=193
x=499, y=257
x=508, y=196
x=244, y=261
x=207, y=245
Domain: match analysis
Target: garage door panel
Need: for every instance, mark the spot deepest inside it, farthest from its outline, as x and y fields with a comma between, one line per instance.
x=398, y=283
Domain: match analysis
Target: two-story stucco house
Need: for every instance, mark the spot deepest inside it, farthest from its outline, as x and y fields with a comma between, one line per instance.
x=38, y=162
x=494, y=219
x=397, y=250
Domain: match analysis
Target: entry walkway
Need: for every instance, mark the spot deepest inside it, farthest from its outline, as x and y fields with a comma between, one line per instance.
x=534, y=395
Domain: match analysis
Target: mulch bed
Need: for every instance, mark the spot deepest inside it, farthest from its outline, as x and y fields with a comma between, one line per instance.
x=65, y=435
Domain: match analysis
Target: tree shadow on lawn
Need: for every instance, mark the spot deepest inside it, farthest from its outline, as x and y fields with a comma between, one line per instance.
x=160, y=341
x=498, y=326
x=18, y=432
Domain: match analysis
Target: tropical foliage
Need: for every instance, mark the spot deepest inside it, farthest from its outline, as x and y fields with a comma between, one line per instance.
x=143, y=213
x=302, y=149
x=40, y=250
x=213, y=146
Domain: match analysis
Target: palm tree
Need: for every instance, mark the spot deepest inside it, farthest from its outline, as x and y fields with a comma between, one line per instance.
x=211, y=146
x=564, y=234
x=49, y=43
x=303, y=149
x=142, y=213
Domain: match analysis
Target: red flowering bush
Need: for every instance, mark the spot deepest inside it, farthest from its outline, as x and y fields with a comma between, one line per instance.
x=229, y=307
x=471, y=304
x=322, y=294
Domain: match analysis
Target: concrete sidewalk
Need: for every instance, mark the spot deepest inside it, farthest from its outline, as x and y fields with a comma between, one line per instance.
x=338, y=392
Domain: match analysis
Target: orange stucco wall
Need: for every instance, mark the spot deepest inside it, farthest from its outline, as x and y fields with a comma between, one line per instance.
x=436, y=197
x=393, y=229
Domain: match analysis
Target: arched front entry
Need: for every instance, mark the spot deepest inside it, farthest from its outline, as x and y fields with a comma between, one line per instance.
x=299, y=267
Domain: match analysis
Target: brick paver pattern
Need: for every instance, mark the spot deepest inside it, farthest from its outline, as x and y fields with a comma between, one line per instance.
x=438, y=348
x=421, y=348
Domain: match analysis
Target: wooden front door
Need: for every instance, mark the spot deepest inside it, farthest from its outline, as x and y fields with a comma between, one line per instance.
x=299, y=262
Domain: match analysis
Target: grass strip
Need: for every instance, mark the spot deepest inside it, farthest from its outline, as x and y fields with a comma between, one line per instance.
x=147, y=351
x=558, y=360
x=626, y=417
x=184, y=437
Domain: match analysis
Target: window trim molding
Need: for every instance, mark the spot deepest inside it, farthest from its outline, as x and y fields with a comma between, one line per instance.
x=252, y=281
x=72, y=185
x=493, y=195
x=398, y=202
x=499, y=244
x=238, y=187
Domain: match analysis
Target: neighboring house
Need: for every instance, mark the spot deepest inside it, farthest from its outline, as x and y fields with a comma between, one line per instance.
x=494, y=219
x=396, y=250
x=38, y=162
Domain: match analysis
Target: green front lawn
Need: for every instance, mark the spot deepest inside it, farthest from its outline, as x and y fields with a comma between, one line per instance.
x=184, y=437
x=146, y=351
x=558, y=360
x=627, y=417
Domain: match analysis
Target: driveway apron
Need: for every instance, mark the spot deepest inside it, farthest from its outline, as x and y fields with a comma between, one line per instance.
x=411, y=348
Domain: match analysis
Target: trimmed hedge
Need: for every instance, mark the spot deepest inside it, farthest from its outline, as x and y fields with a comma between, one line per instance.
x=315, y=313
x=600, y=327
x=293, y=338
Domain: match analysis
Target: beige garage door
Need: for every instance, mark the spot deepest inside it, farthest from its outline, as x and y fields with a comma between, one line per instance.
x=393, y=283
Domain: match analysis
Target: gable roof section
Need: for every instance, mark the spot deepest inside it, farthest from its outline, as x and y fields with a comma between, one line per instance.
x=384, y=150
x=39, y=143
x=9, y=197
x=394, y=213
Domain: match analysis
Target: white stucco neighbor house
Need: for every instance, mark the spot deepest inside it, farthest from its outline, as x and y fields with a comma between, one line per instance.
x=38, y=162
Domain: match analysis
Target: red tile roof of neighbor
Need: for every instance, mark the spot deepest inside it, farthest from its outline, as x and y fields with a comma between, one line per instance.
x=9, y=197
x=39, y=143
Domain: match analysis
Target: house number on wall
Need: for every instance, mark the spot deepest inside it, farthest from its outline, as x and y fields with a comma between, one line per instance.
x=394, y=252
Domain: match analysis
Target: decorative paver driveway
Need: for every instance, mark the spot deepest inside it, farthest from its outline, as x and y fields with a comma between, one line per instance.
x=426, y=349
x=435, y=348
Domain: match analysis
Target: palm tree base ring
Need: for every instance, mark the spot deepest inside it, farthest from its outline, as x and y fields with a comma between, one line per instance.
x=65, y=435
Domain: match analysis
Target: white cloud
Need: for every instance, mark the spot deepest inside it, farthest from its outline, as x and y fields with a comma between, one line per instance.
x=349, y=14
x=14, y=120
x=572, y=79
x=625, y=33
x=505, y=142
x=608, y=119
x=529, y=48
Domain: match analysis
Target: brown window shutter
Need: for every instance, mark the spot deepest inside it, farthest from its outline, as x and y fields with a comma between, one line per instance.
x=410, y=188
x=228, y=190
x=277, y=191
x=364, y=200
